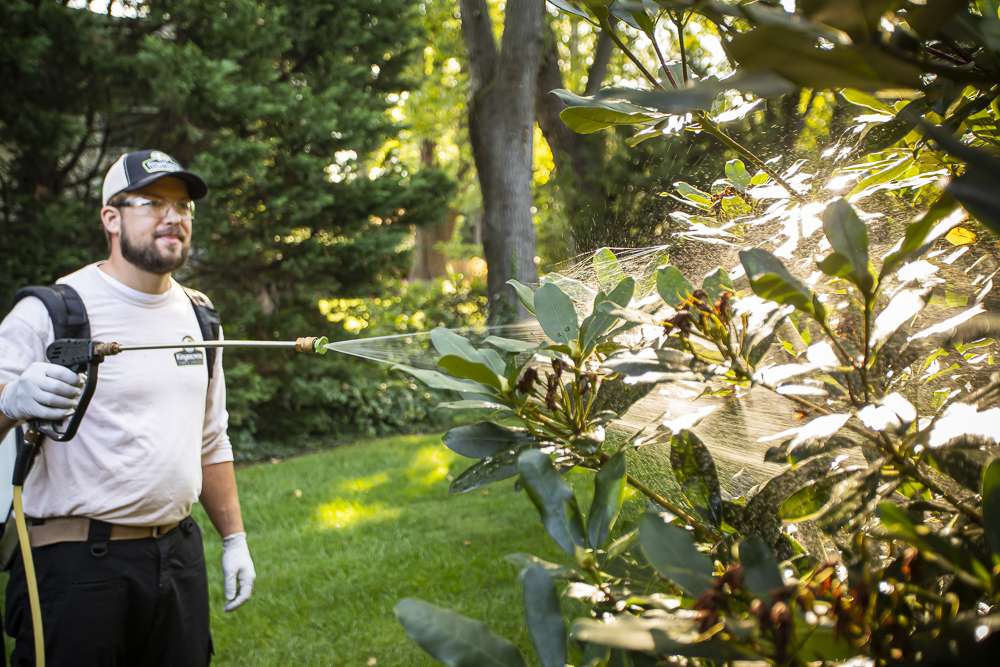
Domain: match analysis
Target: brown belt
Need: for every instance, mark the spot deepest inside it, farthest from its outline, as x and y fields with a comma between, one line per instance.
x=77, y=529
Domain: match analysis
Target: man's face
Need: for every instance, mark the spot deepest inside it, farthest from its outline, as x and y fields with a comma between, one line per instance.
x=156, y=237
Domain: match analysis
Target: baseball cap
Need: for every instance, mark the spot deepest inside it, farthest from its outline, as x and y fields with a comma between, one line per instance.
x=138, y=169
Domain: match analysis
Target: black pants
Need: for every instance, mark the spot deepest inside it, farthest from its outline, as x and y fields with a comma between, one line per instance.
x=125, y=602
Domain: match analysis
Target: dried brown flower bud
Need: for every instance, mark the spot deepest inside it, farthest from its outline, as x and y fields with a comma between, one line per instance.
x=681, y=320
x=527, y=381
x=780, y=614
x=723, y=306
x=733, y=576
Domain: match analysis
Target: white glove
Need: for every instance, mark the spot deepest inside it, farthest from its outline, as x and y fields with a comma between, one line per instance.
x=237, y=570
x=43, y=391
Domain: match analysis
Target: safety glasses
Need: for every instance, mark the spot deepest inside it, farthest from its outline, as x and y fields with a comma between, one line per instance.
x=158, y=207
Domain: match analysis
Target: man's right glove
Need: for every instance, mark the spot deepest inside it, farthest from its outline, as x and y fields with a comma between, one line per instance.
x=43, y=391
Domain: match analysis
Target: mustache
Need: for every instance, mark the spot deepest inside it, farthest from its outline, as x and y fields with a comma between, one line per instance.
x=172, y=231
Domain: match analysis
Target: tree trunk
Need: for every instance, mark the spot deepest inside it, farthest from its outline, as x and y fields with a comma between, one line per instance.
x=501, y=123
x=428, y=260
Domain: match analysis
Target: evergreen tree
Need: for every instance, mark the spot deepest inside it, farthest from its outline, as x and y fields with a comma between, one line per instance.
x=280, y=106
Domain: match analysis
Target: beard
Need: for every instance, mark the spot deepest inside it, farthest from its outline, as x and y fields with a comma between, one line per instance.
x=148, y=257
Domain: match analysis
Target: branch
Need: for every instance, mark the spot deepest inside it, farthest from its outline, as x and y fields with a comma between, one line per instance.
x=477, y=32
x=599, y=68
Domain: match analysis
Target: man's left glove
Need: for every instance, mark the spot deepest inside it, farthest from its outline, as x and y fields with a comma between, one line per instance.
x=237, y=570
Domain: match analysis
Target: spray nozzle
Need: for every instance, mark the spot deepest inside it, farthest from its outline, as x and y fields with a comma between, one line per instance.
x=313, y=344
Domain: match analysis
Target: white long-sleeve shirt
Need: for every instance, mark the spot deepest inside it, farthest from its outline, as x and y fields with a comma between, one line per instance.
x=153, y=421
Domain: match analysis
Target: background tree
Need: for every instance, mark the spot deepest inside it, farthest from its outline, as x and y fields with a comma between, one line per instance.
x=501, y=121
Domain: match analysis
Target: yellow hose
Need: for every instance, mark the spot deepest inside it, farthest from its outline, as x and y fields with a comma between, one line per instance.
x=29, y=577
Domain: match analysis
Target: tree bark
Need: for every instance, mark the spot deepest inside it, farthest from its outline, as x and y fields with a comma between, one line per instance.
x=501, y=123
x=428, y=260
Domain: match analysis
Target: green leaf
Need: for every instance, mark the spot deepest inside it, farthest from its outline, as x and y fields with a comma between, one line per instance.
x=587, y=120
x=737, y=174
x=796, y=56
x=568, y=7
x=867, y=101
x=860, y=20
x=453, y=639
x=673, y=287
x=554, y=499
x=672, y=552
x=654, y=365
x=760, y=568
x=524, y=294
x=692, y=193
x=597, y=323
x=495, y=468
x=822, y=643
x=447, y=342
x=991, y=505
x=661, y=635
x=436, y=380
x=769, y=279
x=509, y=344
x=904, y=306
x=543, y=616
x=522, y=560
x=469, y=370
x=849, y=238
x=472, y=404
x=939, y=219
x=694, y=470
x=609, y=271
x=609, y=494
x=556, y=314
x=807, y=502
x=893, y=171
x=805, y=449
x=759, y=515
x=716, y=283
x=478, y=441
x=679, y=101
x=938, y=547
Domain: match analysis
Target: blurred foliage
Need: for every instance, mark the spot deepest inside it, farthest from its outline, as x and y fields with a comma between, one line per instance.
x=403, y=307
x=347, y=396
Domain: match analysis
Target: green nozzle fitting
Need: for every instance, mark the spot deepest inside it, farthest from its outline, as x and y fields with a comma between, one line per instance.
x=311, y=344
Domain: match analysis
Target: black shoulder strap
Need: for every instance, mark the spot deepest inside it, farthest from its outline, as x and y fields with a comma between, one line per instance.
x=66, y=309
x=208, y=322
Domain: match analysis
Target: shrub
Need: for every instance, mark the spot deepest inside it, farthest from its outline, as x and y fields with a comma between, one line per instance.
x=891, y=553
x=349, y=396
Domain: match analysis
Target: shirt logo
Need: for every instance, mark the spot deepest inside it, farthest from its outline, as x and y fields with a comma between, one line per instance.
x=189, y=356
x=159, y=161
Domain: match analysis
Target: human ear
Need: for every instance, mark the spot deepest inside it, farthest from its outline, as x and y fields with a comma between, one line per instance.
x=111, y=218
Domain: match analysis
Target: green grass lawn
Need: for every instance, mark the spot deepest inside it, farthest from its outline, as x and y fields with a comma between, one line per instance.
x=340, y=536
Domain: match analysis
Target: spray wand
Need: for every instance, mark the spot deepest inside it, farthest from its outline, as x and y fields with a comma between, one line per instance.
x=83, y=355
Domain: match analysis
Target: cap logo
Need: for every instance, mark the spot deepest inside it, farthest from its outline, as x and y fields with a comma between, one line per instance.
x=159, y=161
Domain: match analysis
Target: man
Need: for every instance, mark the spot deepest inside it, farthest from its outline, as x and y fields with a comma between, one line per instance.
x=119, y=562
